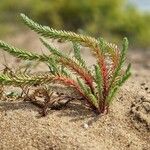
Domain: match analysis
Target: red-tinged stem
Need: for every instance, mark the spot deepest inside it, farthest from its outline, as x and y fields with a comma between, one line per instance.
x=104, y=71
x=81, y=71
x=104, y=108
x=71, y=82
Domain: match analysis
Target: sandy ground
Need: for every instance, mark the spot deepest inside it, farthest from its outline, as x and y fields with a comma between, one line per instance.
x=126, y=127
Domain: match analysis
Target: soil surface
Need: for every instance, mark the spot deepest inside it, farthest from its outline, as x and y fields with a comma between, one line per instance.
x=125, y=127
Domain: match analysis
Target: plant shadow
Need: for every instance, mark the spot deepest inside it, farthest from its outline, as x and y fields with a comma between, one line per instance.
x=74, y=110
x=11, y=105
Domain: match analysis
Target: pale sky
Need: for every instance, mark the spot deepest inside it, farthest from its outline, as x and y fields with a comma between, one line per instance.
x=142, y=4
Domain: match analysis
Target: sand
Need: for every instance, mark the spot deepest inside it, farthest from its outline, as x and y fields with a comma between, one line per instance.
x=125, y=127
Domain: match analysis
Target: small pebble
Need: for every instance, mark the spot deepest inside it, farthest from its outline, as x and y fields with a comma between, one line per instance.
x=146, y=106
x=142, y=84
x=142, y=98
x=85, y=125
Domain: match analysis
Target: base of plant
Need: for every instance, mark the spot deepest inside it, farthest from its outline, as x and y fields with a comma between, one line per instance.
x=60, y=104
x=96, y=85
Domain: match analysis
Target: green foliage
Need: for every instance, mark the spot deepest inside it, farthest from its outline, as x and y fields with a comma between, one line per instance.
x=77, y=55
x=22, y=53
x=98, y=81
x=110, y=18
x=97, y=86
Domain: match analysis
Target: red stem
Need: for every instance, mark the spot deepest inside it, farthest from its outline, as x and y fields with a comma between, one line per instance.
x=71, y=82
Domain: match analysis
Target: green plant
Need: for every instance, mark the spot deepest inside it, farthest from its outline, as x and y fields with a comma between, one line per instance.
x=97, y=86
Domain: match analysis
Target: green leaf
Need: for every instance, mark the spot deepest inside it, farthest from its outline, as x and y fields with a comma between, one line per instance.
x=53, y=66
x=46, y=31
x=102, y=44
x=52, y=49
x=83, y=86
x=65, y=72
x=119, y=83
x=121, y=62
x=98, y=81
x=92, y=98
x=77, y=55
x=22, y=54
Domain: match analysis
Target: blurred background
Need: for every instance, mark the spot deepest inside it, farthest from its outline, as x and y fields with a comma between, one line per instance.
x=111, y=19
